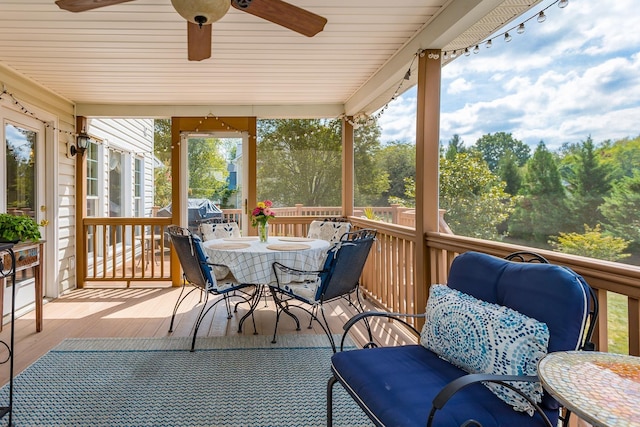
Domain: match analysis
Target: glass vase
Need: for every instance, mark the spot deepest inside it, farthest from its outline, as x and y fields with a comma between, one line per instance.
x=263, y=231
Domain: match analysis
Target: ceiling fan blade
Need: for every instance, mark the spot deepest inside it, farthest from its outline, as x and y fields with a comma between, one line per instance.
x=282, y=13
x=199, y=41
x=82, y=5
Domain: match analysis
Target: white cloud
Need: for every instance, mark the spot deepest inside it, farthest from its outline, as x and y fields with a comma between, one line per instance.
x=458, y=86
x=576, y=75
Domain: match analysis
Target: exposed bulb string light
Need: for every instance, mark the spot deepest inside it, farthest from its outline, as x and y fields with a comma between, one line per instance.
x=366, y=120
x=519, y=28
x=6, y=94
x=223, y=124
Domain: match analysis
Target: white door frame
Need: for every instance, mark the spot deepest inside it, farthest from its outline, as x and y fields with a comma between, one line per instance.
x=47, y=181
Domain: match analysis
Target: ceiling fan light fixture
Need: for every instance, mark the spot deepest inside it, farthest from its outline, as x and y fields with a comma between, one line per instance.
x=201, y=12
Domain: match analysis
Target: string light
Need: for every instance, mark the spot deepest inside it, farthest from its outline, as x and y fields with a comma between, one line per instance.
x=519, y=28
x=223, y=124
x=541, y=17
x=366, y=120
x=5, y=93
x=363, y=119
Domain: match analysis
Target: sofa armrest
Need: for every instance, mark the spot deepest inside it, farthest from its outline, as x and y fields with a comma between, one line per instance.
x=365, y=318
x=459, y=383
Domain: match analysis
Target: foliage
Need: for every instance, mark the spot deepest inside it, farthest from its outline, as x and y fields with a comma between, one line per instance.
x=509, y=172
x=473, y=197
x=588, y=182
x=162, y=150
x=369, y=213
x=20, y=228
x=593, y=243
x=456, y=145
x=207, y=169
x=307, y=156
x=621, y=157
x=398, y=159
x=622, y=207
x=371, y=179
x=542, y=210
x=262, y=213
x=162, y=189
x=494, y=147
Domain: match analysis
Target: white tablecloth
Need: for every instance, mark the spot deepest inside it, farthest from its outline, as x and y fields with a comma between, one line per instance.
x=253, y=264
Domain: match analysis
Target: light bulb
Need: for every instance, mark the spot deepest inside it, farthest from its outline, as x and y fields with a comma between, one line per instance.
x=454, y=54
x=542, y=17
x=466, y=51
x=489, y=44
x=563, y=3
x=445, y=56
x=520, y=29
x=476, y=49
x=507, y=37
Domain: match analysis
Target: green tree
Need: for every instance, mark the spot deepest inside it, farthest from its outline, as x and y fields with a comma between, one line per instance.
x=371, y=179
x=398, y=159
x=542, y=210
x=494, y=147
x=162, y=151
x=473, y=197
x=593, y=243
x=509, y=172
x=621, y=157
x=456, y=145
x=622, y=206
x=588, y=184
x=300, y=161
x=207, y=169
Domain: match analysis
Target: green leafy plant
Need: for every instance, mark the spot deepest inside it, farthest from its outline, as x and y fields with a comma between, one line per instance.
x=18, y=228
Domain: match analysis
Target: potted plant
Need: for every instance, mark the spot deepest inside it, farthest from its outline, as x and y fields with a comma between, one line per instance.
x=18, y=228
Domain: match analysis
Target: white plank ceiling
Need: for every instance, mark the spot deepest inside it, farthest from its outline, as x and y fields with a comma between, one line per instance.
x=131, y=59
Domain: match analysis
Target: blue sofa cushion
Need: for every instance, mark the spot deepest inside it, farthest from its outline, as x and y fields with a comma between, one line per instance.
x=481, y=337
x=397, y=385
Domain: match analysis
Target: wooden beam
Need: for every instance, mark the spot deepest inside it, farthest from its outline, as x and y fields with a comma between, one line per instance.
x=348, y=167
x=427, y=162
x=82, y=125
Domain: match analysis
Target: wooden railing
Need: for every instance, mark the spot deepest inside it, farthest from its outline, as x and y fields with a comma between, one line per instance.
x=124, y=250
x=120, y=250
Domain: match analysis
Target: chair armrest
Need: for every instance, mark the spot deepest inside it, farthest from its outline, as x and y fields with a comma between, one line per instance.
x=364, y=317
x=459, y=383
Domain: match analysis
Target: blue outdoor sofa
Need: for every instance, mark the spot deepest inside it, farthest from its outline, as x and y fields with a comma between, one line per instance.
x=424, y=385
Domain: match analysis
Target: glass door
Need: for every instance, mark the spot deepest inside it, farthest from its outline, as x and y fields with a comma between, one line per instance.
x=22, y=161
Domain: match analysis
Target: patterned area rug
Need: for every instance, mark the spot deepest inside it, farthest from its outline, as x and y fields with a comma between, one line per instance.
x=227, y=381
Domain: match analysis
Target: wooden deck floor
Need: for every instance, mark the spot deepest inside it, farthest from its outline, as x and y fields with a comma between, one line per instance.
x=146, y=312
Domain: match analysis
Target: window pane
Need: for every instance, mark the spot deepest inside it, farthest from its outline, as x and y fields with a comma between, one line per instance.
x=21, y=170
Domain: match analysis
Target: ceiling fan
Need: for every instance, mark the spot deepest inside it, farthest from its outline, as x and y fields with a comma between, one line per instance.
x=200, y=14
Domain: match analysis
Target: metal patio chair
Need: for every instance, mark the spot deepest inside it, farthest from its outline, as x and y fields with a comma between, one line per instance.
x=198, y=272
x=339, y=278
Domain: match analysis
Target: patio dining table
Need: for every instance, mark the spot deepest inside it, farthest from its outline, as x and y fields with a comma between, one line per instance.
x=251, y=261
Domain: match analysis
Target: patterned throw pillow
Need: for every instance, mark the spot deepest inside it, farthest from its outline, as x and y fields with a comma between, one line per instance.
x=480, y=337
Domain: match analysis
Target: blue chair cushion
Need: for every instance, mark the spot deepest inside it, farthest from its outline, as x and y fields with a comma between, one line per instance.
x=398, y=384
x=481, y=337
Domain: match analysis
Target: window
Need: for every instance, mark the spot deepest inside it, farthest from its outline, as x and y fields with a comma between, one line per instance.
x=137, y=188
x=91, y=156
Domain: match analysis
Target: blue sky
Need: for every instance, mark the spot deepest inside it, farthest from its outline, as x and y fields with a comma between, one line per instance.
x=573, y=76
